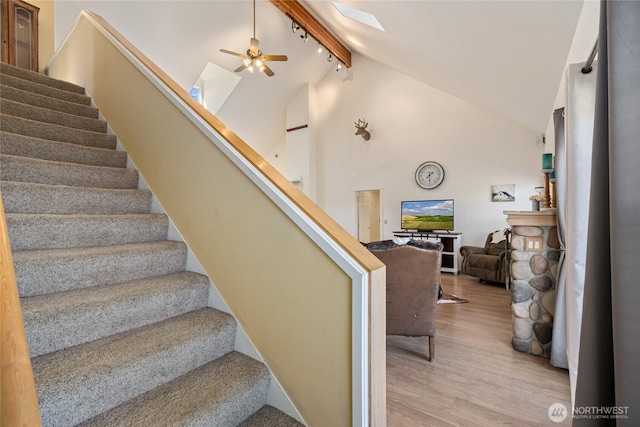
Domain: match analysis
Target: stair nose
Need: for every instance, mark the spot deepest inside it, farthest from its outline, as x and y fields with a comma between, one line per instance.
x=53, y=132
x=46, y=231
x=46, y=115
x=26, y=146
x=27, y=197
x=26, y=97
x=83, y=381
x=25, y=169
x=223, y=392
x=65, y=319
x=8, y=71
x=55, y=270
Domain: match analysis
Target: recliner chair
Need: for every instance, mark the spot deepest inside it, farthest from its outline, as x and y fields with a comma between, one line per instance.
x=491, y=262
x=413, y=284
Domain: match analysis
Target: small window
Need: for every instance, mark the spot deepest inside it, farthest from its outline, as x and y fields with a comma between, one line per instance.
x=196, y=93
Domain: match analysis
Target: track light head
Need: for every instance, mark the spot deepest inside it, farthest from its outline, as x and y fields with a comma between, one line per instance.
x=339, y=66
x=319, y=48
x=305, y=37
x=294, y=26
x=329, y=57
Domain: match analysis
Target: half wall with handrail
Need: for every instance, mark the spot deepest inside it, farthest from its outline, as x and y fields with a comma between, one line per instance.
x=309, y=296
x=18, y=401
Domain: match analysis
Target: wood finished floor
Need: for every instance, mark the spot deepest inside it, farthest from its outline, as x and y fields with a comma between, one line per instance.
x=477, y=378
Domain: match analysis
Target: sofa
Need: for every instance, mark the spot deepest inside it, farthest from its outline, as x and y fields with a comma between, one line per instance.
x=489, y=263
x=413, y=287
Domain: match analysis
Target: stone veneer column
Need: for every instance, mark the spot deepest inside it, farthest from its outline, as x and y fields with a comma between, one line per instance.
x=534, y=276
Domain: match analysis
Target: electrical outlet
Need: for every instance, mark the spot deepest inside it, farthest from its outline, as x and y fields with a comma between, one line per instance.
x=533, y=244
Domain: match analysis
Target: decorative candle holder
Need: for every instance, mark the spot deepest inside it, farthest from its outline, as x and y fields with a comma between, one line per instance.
x=552, y=185
x=546, y=201
x=547, y=169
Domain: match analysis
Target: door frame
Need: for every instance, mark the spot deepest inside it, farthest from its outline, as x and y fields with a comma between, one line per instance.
x=356, y=212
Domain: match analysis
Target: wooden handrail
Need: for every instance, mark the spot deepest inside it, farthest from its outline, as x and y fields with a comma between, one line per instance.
x=18, y=404
x=321, y=218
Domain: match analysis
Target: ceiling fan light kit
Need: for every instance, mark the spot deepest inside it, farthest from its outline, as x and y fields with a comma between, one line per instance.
x=254, y=58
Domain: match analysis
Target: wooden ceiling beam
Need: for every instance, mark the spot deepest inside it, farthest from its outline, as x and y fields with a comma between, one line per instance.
x=297, y=12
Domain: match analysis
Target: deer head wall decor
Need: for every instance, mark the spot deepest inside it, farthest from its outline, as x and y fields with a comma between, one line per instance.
x=361, y=125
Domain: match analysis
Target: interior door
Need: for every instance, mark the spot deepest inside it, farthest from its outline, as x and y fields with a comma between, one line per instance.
x=368, y=215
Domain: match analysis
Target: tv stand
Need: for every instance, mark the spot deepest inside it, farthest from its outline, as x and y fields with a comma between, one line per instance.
x=451, y=240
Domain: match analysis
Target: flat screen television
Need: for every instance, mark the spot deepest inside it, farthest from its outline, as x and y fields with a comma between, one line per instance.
x=427, y=215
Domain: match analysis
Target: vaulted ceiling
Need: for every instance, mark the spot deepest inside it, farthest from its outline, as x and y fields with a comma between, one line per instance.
x=504, y=56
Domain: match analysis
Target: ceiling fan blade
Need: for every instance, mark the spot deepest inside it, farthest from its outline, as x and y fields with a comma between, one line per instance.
x=240, y=68
x=254, y=48
x=274, y=57
x=268, y=71
x=233, y=53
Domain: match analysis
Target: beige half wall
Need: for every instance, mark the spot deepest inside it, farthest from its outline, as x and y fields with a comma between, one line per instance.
x=308, y=295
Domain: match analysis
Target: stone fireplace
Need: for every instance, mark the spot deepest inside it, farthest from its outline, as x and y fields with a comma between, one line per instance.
x=535, y=252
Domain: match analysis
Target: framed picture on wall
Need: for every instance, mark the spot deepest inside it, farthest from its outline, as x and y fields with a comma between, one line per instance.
x=503, y=193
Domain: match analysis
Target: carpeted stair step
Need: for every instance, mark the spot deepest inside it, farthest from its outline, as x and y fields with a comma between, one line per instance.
x=118, y=330
x=54, y=132
x=83, y=381
x=24, y=169
x=222, y=393
x=64, y=319
x=55, y=270
x=27, y=197
x=11, y=71
x=37, y=100
x=45, y=115
x=270, y=416
x=45, y=89
x=53, y=231
x=36, y=148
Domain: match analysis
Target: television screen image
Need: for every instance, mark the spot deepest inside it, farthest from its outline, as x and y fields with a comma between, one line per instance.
x=427, y=215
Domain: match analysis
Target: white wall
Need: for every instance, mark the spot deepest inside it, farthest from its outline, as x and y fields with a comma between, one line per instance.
x=411, y=123
x=583, y=40
x=182, y=37
x=301, y=144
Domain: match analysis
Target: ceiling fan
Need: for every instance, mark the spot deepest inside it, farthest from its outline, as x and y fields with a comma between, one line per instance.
x=254, y=58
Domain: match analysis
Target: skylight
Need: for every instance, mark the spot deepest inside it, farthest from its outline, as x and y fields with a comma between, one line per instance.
x=358, y=15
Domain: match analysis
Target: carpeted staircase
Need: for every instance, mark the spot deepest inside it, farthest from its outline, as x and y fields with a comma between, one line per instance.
x=119, y=333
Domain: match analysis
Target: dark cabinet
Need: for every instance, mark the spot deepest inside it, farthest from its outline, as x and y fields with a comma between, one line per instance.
x=19, y=28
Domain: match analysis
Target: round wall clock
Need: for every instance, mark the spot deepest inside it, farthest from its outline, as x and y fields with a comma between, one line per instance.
x=429, y=175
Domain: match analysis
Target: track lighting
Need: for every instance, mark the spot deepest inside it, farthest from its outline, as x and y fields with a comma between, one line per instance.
x=305, y=38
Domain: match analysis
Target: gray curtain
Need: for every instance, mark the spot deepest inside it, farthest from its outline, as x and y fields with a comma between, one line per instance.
x=559, y=341
x=609, y=360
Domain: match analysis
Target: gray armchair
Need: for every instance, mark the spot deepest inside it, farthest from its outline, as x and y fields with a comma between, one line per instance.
x=491, y=262
x=413, y=284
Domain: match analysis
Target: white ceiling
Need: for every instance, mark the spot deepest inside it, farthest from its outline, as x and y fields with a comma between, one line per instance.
x=505, y=56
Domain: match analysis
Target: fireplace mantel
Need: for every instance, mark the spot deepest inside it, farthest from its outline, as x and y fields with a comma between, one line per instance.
x=527, y=218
